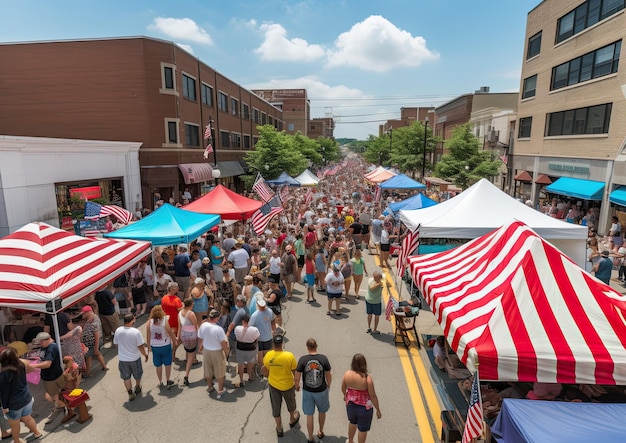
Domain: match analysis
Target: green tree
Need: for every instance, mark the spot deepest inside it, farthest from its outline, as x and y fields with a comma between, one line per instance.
x=274, y=153
x=328, y=149
x=467, y=162
x=378, y=148
x=408, y=149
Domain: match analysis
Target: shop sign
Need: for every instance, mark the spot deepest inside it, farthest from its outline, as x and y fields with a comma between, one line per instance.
x=87, y=193
x=569, y=167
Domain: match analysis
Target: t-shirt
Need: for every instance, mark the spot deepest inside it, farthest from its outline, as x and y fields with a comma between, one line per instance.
x=313, y=368
x=14, y=394
x=334, y=283
x=377, y=227
x=290, y=263
x=280, y=365
x=216, y=252
x=128, y=339
x=104, y=299
x=63, y=320
x=171, y=304
x=51, y=353
x=237, y=319
x=212, y=336
x=239, y=257
x=180, y=265
x=604, y=269
x=374, y=296
x=356, y=228
x=262, y=320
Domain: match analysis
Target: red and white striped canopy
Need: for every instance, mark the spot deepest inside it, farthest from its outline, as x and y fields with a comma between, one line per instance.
x=40, y=264
x=514, y=304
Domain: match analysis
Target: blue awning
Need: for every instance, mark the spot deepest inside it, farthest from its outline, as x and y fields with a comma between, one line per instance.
x=578, y=188
x=618, y=196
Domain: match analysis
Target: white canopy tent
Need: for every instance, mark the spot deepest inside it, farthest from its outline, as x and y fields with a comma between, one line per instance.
x=482, y=208
x=307, y=178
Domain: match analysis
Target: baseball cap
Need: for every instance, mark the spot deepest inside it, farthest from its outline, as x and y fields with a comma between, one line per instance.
x=278, y=339
x=335, y=268
x=41, y=336
x=605, y=253
x=214, y=313
x=86, y=308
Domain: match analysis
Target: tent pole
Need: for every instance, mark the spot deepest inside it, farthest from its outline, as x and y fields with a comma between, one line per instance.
x=55, y=324
x=154, y=273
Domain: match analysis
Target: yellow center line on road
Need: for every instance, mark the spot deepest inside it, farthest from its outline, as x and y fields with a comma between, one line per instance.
x=423, y=398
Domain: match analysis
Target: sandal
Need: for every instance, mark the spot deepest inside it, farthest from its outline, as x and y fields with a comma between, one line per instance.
x=295, y=422
x=320, y=435
x=279, y=432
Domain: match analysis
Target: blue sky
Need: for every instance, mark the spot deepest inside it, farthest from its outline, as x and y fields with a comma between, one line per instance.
x=360, y=60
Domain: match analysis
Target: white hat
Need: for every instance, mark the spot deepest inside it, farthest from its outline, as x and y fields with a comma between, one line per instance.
x=198, y=280
x=261, y=303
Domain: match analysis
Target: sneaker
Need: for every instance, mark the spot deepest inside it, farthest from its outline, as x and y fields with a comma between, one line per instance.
x=186, y=381
x=161, y=385
x=138, y=389
x=170, y=383
x=55, y=414
x=220, y=394
x=308, y=302
x=131, y=395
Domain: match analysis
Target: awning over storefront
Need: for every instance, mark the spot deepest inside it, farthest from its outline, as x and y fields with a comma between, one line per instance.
x=576, y=187
x=543, y=179
x=230, y=168
x=618, y=196
x=196, y=172
x=523, y=176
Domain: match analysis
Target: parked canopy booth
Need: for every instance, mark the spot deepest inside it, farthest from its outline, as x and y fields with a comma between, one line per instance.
x=307, y=178
x=379, y=175
x=482, y=208
x=283, y=179
x=514, y=306
x=418, y=201
x=228, y=204
x=401, y=181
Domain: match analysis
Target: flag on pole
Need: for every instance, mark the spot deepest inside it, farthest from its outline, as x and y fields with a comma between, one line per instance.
x=378, y=194
x=207, y=131
x=409, y=245
x=285, y=195
x=262, y=189
x=309, y=197
x=264, y=214
x=392, y=304
x=208, y=151
x=94, y=211
x=474, y=422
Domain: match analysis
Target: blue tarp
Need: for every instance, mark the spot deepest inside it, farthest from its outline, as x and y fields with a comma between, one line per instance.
x=618, y=196
x=536, y=421
x=168, y=225
x=578, y=188
x=283, y=179
x=401, y=181
x=416, y=202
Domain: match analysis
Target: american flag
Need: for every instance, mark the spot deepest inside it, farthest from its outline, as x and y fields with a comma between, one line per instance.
x=208, y=151
x=261, y=188
x=309, y=197
x=285, y=196
x=392, y=303
x=409, y=244
x=474, y=422
x=262, y=217
x=208, y=132
x=94, y=211
x=378, y=193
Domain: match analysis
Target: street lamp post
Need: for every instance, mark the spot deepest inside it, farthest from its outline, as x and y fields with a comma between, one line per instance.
x=425, y=141
x=216, y=173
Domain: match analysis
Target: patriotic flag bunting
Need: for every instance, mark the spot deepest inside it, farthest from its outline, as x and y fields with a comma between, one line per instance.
x=262, y=189
x=474, y=422
x=262, y=217
x=409, y=245
x=94, y=211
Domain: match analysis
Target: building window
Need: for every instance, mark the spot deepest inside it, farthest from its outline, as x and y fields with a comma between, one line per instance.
x=171, y=131
x=234, y=106
x=246, y=142
x=235, y=140
x=263, y=118
x=603, y=61
x=270, y=120
x=245, y=111
x=586, y=15
x=530, y=87
x=189, y=87
x=192, y=135
x=225, y=139
x=255, y=140
x=589, y=120
x=257, y=116
x=525, y=125
x=291, y=127
x=222, y=102
x=534, y=45
x=207, y=95
x=168, y=77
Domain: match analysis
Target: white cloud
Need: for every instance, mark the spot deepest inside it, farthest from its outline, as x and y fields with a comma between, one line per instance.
x=181, y=29
x=376, y=44
x=187, y=48
x=277, y=47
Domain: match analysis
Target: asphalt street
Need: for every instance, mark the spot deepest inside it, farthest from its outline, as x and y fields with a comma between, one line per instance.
x=409, y=404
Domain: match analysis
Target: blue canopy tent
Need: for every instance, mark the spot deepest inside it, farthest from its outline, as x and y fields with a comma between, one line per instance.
x=283, y=179
x=536, y=421
x=418, y=201
x=401, y=181
x=168, y=225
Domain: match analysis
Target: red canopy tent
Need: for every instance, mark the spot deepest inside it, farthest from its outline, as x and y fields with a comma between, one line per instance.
x=228, y=204
x=516, y=305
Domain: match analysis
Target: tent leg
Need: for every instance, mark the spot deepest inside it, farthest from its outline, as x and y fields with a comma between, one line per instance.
x=154, y=272
x=55, y=324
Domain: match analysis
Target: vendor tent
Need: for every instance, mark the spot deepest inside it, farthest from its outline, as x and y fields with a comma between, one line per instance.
x=482, y=208
x=526, y=421
x=380, y=175
x=514, y=303
x=416, y=202
x=283, y=179
x=228, y=204
x=401, y=181
x=168, y=225
x=45, y=269
x=307, y=178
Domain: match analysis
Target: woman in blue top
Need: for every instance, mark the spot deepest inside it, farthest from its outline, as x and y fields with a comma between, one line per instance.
x=17, y=401
x=320, y=267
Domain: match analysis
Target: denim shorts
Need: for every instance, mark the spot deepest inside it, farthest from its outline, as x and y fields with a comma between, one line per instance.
x=373, y=308
x=360, y=416
x=16, y=414
x=162, y=355
x=128, y=368
x=311, y=400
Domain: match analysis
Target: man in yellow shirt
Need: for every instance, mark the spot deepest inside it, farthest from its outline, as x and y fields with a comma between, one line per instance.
x=279, y=366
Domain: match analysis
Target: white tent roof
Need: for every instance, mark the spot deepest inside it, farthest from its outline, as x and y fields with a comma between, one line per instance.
x=482, y=208
x=307, y=178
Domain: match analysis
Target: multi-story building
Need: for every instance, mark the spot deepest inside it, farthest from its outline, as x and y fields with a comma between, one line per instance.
x=322, y=127
x=407, y=117
x=295, y=107
x=135, y=89
x=571, y=109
